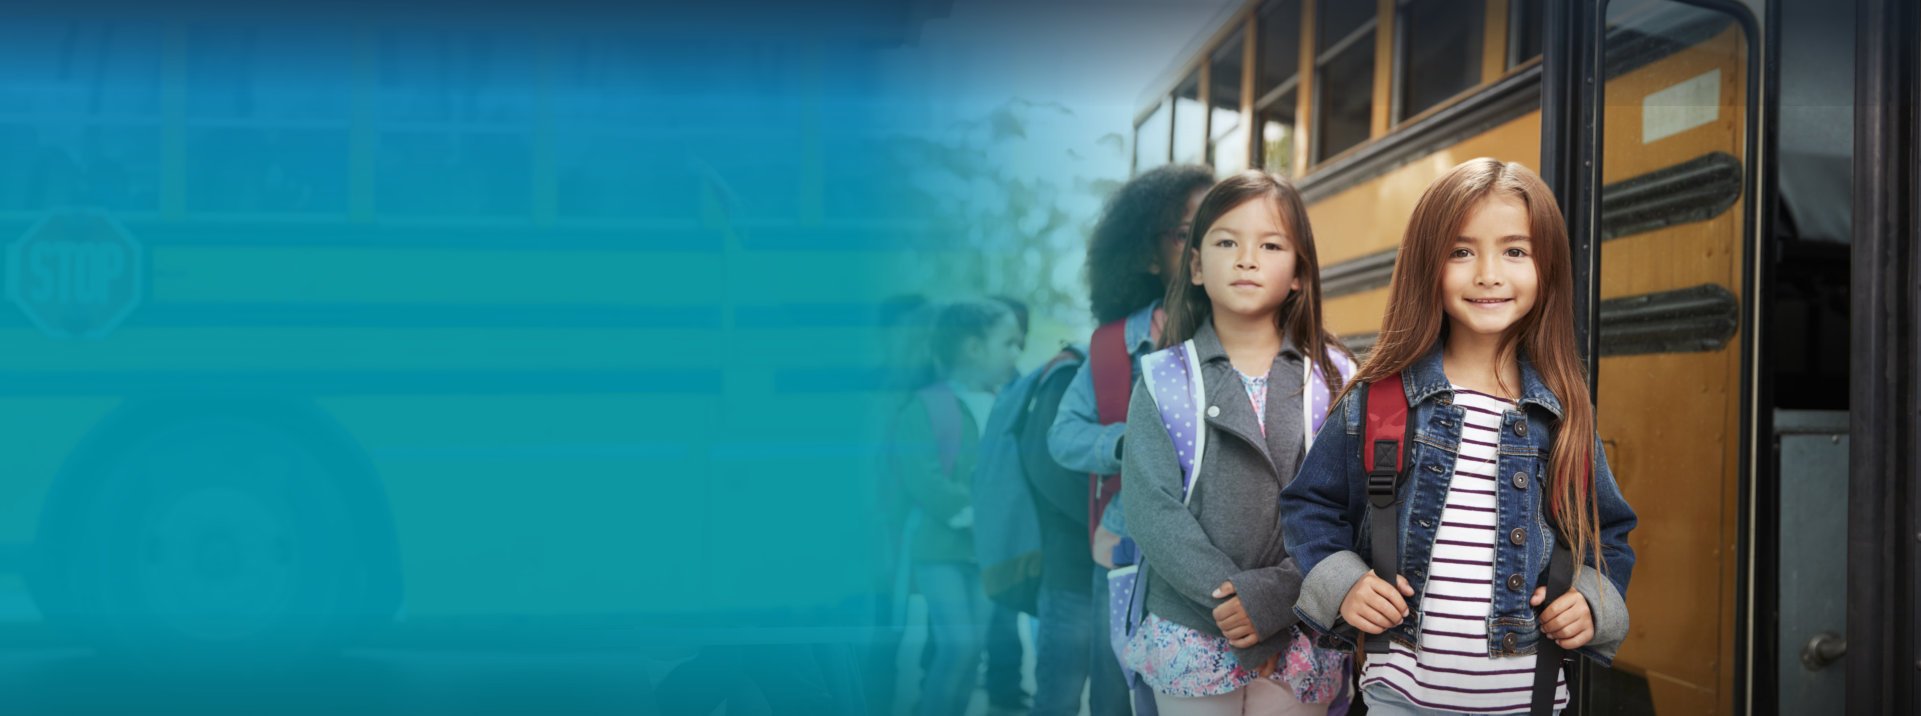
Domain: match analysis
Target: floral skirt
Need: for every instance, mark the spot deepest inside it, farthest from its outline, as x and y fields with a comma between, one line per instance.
x=1179, y=661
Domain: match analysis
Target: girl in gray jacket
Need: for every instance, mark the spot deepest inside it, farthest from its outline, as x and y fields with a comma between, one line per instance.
x=1244, y=316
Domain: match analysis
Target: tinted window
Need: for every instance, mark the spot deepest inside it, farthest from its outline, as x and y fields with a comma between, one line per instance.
x=1345, y=110
x=1440, y=51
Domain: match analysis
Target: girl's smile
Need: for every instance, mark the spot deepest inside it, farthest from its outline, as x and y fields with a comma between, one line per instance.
x=1488, y=283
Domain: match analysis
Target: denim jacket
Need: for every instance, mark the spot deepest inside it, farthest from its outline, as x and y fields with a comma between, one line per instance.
x=1078, y=440
x=1323, y=514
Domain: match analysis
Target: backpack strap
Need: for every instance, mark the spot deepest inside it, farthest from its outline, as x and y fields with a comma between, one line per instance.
x=1549, y=656
x=1173, y=377
x=1113, y=373
x=944, y=416
x=1383, y=457
x=1316, y=400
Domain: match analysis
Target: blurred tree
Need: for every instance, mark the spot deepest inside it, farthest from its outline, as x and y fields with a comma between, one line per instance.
x=1015, y=192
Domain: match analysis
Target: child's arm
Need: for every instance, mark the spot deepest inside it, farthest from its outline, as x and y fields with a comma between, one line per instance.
x=1320, y=511
x=1157, y=518
x=1607, y=598
x=916, y=461
x=1078, y=440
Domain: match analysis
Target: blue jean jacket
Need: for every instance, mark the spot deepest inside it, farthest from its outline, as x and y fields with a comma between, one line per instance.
x=1323, y=515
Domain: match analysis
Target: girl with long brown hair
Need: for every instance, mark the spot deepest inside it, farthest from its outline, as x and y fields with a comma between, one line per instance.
x=1502, y=464
x=1223, y=414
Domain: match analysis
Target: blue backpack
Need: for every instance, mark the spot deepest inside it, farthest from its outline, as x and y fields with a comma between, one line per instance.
x=1007, y=531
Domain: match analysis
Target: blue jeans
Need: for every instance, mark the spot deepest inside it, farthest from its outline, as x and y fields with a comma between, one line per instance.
x=957, y=614
x=1004, y=659
x=1061, y=652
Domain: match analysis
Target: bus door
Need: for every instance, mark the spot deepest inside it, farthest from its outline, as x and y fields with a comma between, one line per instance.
x=1664, y=160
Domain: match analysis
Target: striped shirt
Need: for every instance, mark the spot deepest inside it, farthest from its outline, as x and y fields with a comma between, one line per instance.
x=1452, y=670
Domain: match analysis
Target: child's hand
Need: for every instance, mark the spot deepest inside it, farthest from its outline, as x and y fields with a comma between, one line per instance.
x=1233, y=620
x=1372, y=606
x=1567, y=621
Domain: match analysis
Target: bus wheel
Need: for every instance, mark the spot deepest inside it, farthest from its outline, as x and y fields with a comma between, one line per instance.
x=212, y=537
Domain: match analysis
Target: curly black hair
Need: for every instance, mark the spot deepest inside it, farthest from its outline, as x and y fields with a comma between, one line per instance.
x=1127, y=239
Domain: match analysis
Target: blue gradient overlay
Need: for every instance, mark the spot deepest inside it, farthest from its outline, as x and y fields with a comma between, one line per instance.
x=462, y=359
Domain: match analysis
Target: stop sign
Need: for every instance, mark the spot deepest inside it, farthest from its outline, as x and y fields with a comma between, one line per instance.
x=76, y=274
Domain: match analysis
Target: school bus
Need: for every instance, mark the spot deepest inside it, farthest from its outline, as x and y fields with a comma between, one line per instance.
x=528, y=332
x=1702, y=153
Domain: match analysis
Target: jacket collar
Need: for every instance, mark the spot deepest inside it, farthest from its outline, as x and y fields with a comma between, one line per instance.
x=1426, y=378
x=1207, y=345
x=1138, y=330
x=1236, y=414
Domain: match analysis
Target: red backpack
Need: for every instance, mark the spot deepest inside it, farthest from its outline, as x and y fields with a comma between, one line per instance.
x=1113, y=373
x=1383, y=459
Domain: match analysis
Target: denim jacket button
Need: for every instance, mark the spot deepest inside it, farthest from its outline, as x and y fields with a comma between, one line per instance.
x=1518, y=536
x=1520, y=428
x=1520, y=481
x=1510, y=643
x=1514, y=582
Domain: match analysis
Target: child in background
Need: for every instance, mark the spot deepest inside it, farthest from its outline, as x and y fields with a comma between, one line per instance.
x=1004, y=654
x=1131, y=256
x=975, y=344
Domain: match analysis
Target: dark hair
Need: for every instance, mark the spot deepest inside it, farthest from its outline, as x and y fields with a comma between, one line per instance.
x=1018, y=308
x=1127, y=239
x=960, y=322
x=1299, y=318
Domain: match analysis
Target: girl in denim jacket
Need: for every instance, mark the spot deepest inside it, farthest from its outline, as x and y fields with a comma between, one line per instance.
x=1480, y=329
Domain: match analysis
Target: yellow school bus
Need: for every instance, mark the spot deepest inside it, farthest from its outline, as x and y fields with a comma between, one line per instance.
x=1710, y=290
x=461, y=329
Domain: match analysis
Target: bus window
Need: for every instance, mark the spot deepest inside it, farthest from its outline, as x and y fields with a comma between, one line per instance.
x=1278, y=135
x=1227, y=147
x=1343, y=77
x=81, y=120
x=1190, y=122
x=1524, y=31
x=1280, y=46
x=1151, y=139
x=1439, y=53
x=267, y=121
x=456, y=111
x=1276, y=84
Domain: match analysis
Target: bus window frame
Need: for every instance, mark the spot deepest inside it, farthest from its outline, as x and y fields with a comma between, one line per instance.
x=1885, y=317
x=1398, y=59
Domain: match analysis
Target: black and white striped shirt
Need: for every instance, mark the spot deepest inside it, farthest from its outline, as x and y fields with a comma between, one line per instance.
x=1452, y=671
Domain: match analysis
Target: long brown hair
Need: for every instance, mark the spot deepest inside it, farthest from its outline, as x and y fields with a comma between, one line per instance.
x=1415, y=322
x=1299, y=318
